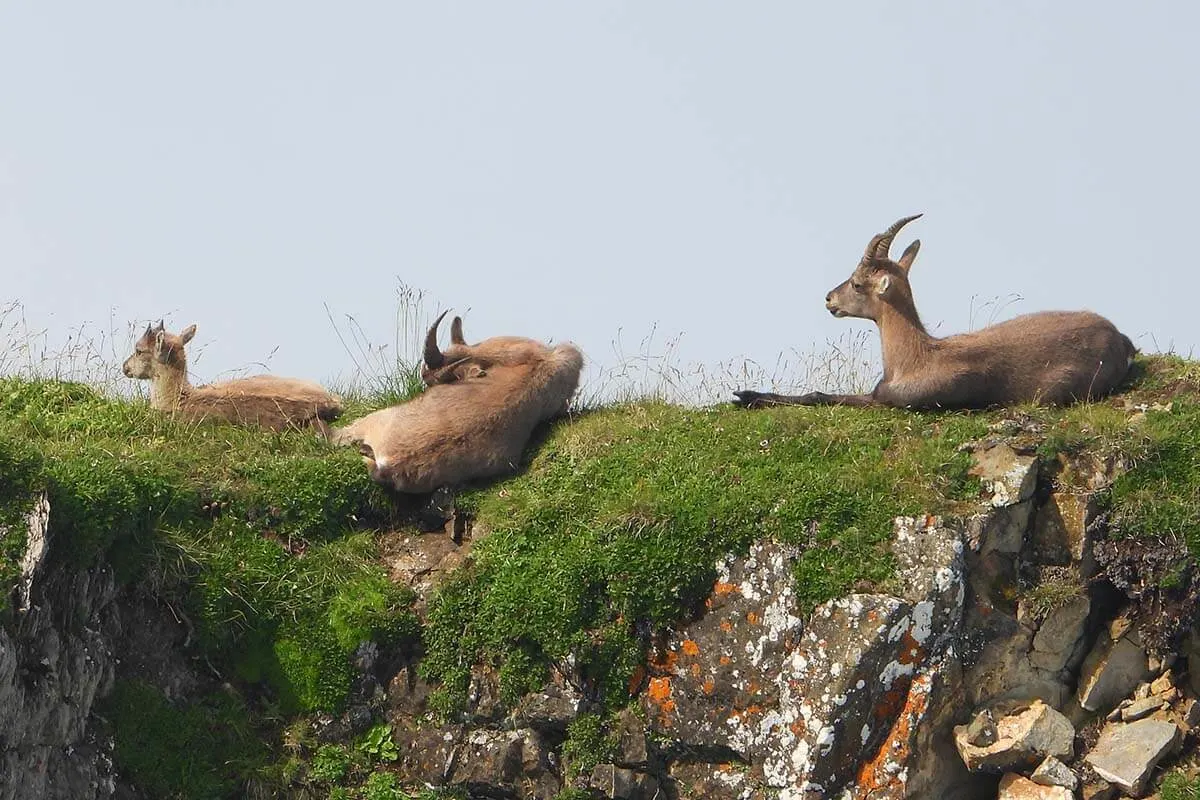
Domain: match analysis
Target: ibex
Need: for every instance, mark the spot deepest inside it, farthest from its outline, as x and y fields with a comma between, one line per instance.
x=1050, y=357
x=266, y=400
x=474, y=420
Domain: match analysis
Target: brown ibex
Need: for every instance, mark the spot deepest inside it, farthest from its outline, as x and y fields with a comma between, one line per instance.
x=1051, y=357
x=475, y=419
x=266, y=400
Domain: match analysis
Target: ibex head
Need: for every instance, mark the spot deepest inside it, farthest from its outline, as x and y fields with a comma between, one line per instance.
x=458, y=362
x=156, y=350
x=877, y=279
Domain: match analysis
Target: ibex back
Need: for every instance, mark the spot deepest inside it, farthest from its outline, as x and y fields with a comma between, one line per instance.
x=475, y=419
x=1051, y=357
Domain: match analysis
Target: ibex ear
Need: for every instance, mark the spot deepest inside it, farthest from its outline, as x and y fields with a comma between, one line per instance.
x=188, y=333
x=909, y=255
x=456, y=334
x=885, y=281
x=160, y=341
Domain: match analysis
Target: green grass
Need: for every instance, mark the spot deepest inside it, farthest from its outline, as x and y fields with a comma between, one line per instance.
x=1178, y=786
x=201, y=751
x=266, y=541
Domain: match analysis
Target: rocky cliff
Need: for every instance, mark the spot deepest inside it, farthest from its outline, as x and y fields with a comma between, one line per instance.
x=800, y=603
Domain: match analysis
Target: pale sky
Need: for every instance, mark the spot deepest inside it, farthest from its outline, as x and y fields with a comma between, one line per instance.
x=572, y=170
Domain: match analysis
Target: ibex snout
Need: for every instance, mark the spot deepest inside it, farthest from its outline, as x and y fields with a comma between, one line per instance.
x=831, y=304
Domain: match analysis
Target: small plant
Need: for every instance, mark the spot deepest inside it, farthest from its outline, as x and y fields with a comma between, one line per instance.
x=1180, y=786
x=330, y=764
x=589, y=742
x=382, y=786
x=378, y=743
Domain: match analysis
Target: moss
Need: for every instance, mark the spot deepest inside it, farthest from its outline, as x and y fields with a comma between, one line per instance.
x=589, y=742
x=382, y=786
x=1180, y=786
x=372, y=608
x=331, y=763
x=311, y=672
x=193, y=752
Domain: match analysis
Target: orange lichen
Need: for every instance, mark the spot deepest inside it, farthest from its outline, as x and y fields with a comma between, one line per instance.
x=752, y=618
x=695, y=670
x=708, y=686
x=724, y=661
x=689, y=648
x=659, y=691
x=726, y=625
x=721, y=588
x=875, y=775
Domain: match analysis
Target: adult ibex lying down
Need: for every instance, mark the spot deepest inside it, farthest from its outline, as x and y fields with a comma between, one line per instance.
x=1051, y=357
x=476, y=416
x=275, y=403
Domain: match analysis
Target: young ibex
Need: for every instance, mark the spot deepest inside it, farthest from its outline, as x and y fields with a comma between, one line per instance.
x=275, y=403
x=1051, y=357
x=474, y=420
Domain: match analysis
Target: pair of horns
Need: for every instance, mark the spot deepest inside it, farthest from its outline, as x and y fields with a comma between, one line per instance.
x=434, y=357
x=881, y=243
x=151, y=330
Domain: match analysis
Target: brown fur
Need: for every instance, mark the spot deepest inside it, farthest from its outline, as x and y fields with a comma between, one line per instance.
x=265, y=400
x=1051, y=357
x=475, y=418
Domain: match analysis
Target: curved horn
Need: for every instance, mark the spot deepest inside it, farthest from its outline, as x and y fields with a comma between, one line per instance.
x=456, y=334
x=882, y=243
x=433, y=356
x=160, y=326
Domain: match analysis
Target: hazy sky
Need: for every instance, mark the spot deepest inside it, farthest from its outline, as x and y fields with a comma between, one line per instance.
x=571, y=170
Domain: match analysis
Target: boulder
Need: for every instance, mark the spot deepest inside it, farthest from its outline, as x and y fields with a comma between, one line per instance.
x=1111, y=671
x=1053, y=772
x=1015, y=787
x=1023, y=739
x=1126, y=754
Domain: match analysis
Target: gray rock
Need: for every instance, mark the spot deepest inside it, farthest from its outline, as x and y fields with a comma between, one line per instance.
x=1008, y=477
x=620, y=783
x=716, y=684
x=37, y=544
x=1126, y=754
x=1059, y=634
x=867, y=676
x=1023, y=739
x=1053, y=772
x=1111, y=671
x=1142, y=708
x=1015, y=787
x=982, y=730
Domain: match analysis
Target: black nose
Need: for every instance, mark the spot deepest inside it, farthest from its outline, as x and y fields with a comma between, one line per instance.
x=828, y=297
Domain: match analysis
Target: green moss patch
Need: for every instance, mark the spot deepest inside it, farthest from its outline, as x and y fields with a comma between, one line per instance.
x=200, y=751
